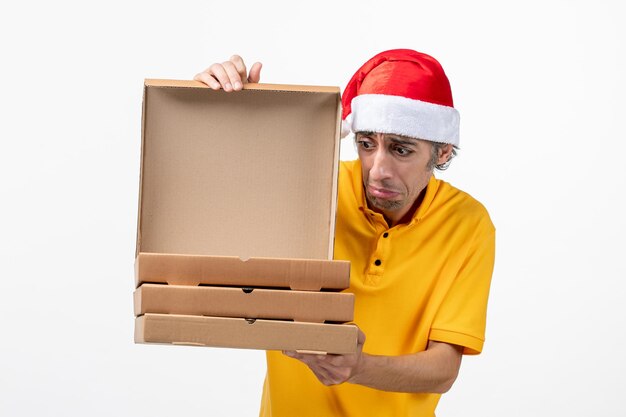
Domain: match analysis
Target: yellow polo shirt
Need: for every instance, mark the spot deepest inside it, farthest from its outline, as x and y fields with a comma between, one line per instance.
x=425, y=280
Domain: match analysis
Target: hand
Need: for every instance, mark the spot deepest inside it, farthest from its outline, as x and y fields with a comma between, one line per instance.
x=230, y=75
x=333, y=369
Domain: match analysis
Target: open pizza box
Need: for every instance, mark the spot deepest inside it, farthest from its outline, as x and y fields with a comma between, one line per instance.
x=236, y=219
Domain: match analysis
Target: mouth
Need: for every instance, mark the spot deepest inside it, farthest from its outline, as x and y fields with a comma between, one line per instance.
x=383, y=193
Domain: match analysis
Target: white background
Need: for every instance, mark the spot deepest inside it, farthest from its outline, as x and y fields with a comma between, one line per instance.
x=540, y=87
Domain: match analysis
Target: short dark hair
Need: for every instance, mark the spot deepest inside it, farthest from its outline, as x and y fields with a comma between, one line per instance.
x=434, y=155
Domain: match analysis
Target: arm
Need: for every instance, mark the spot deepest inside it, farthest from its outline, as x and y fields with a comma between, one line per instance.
x=433, y=370
x=230, y=75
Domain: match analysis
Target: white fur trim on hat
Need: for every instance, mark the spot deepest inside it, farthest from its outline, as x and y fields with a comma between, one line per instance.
x=403, y=116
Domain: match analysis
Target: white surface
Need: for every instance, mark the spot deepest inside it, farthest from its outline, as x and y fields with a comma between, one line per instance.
x=540, y=88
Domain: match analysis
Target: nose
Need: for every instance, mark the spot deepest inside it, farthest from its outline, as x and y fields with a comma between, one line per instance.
x=380, y=169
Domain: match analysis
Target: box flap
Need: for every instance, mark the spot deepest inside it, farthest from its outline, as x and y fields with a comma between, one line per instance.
x=249, y=86
x=248, y=174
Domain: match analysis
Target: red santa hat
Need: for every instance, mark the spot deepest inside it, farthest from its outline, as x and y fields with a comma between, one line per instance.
x=404, y=92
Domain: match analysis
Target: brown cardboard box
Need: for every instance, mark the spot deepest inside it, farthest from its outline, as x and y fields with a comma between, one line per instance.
x=242, y=333
x=246, y=174
x=297, y=274
x=240, y=189
x=303, y=306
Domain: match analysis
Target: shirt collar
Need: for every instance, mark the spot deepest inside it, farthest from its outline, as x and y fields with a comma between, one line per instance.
x=431, y=191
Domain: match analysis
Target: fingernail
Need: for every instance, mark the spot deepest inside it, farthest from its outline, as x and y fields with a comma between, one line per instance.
x=288, y=353
x=228, y=87
x=237, y=85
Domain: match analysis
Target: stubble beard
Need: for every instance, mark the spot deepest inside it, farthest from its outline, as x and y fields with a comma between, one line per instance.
x=382, y=204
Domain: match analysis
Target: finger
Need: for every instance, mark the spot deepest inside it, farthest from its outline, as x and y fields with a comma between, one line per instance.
x=218, y=72
x=240, y=66
x=327, y=373
x=308, y=359
x=334, y=363
x=255, y=73
x=235, y=79
x=332, y=375
x=208, y=80
x=361, y=338
x=323, y=375
x=299, y=356
x=334, y=360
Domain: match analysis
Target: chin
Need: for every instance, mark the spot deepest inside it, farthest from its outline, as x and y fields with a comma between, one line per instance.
x=388, y=205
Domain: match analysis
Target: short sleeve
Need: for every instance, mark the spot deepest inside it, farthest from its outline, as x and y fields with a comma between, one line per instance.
x=461, y=317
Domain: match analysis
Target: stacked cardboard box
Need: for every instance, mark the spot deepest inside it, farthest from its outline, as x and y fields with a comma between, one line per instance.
x=236, y=219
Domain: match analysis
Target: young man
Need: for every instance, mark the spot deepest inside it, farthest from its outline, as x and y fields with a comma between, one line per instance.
x=421, y=251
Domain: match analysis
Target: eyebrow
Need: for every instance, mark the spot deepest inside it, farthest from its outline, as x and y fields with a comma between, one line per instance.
x=404, y=141
x=397, y=139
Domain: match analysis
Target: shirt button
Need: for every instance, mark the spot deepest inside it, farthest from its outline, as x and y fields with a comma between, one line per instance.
x=377, y=262
x=385, y=234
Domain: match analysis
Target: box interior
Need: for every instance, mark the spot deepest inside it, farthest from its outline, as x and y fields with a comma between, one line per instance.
x=247, y=174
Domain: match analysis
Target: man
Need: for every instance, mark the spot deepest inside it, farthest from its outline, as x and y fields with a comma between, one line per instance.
x=421, y=251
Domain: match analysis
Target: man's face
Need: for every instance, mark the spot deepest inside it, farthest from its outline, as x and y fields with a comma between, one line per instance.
x=395, y=170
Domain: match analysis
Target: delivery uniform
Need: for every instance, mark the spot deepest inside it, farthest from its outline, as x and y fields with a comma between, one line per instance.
x=425, y=280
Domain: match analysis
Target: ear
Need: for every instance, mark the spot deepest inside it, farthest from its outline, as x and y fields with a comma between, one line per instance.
x=445, y=152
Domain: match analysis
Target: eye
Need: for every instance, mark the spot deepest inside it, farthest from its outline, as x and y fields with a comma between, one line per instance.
x=402, y=151
x=365, y=144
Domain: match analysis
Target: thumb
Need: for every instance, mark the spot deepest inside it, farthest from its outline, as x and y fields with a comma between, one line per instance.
x=255, y=73
x=361, y=338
